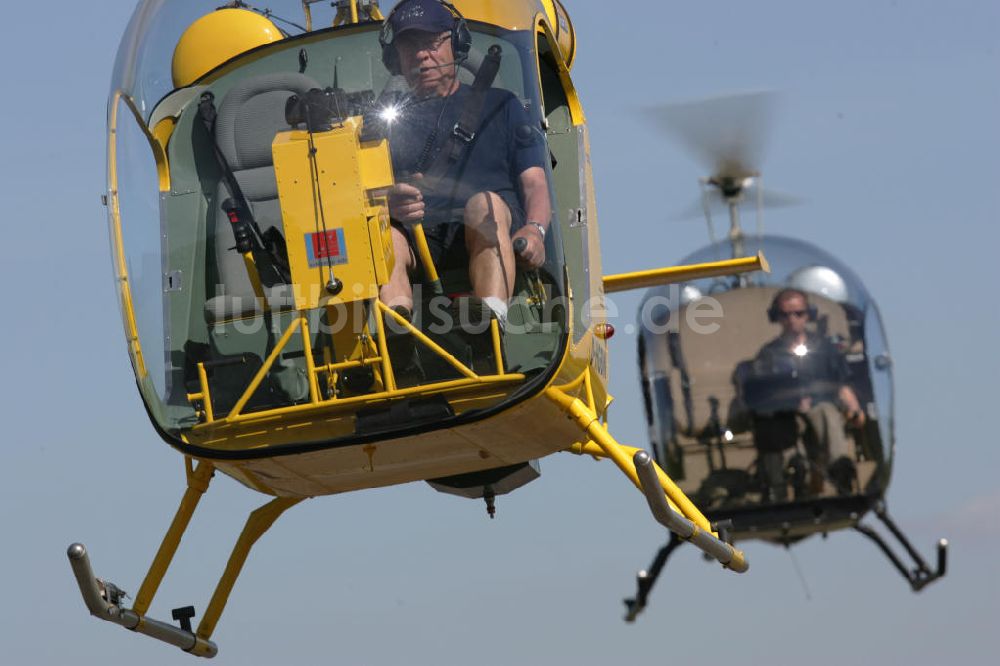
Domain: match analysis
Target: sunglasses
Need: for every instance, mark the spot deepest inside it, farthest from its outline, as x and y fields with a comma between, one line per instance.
x=792, y=313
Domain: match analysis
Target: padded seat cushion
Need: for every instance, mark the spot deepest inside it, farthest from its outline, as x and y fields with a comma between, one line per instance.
x=250, y=116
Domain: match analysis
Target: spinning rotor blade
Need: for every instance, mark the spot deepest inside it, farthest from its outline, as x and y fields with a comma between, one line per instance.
x=717, y=205
x=728, y=134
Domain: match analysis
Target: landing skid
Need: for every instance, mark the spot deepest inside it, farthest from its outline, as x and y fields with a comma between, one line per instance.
x=646, y=579
x=667, y=502
x=919, y=576
x=104, y=599
x=104, y=602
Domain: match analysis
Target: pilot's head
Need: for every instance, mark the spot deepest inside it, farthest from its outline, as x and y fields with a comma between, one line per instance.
x=421, y=34
x=790, y=308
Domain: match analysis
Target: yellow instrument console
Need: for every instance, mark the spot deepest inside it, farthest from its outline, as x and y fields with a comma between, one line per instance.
x=334, y=211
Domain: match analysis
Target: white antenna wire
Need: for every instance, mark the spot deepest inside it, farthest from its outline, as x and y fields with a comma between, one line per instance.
x=798, y=570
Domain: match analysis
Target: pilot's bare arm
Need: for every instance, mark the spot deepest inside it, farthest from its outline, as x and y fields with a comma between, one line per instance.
x=851, y=405
x=537, y=208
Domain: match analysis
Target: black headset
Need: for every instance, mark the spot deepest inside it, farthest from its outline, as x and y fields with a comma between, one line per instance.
x=774, y=314
x=461, y=38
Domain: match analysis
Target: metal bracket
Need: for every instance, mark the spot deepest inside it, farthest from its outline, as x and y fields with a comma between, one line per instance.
x=463, y=134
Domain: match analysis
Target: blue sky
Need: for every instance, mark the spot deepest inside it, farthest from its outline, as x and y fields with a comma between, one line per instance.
x=887, y=131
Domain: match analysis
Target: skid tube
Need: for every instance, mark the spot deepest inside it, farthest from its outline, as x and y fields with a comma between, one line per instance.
x=103, y=599
x=921, y=575
x=724, y=553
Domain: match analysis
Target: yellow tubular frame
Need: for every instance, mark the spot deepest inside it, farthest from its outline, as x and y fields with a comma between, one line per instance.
x=427, y=342
x=307, y=350
x=390, y=389
x=264, y=369
x=388, y=376
x=497, y=346
x=204, y=396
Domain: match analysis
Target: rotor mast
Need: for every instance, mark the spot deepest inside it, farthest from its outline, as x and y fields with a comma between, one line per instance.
x=731, y=189
x=728, y=135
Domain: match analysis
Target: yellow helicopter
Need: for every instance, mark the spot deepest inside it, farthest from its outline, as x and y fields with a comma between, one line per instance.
x=253, y=161
x=776, y=415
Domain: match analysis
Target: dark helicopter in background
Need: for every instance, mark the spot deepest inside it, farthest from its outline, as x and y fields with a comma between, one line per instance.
x=769, y=398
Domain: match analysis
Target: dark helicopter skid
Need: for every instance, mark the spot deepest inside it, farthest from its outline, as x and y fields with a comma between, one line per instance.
x=789, y=523
x=920, y=576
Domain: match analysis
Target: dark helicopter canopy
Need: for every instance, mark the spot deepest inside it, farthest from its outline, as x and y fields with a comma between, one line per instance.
x=733, y=411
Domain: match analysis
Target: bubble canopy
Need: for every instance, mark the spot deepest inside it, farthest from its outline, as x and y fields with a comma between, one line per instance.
x=143, y=66
x=787, y=257
x=210, y=325
x=744, y=405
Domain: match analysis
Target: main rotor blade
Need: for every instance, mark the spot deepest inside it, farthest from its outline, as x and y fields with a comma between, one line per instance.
x=728, y=134
x=718, y=206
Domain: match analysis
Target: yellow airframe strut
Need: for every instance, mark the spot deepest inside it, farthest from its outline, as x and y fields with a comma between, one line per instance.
x=675, y=511
x=674, y=274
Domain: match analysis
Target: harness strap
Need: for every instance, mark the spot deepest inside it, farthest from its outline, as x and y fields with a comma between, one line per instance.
x=246, y=232
x=465, y=129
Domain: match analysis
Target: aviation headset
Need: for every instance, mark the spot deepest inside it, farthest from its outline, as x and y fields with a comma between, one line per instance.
x=461, y=38
x=774, y=314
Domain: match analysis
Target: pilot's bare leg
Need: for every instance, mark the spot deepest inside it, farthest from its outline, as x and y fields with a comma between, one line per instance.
x=397, y=292
x=487, y=239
